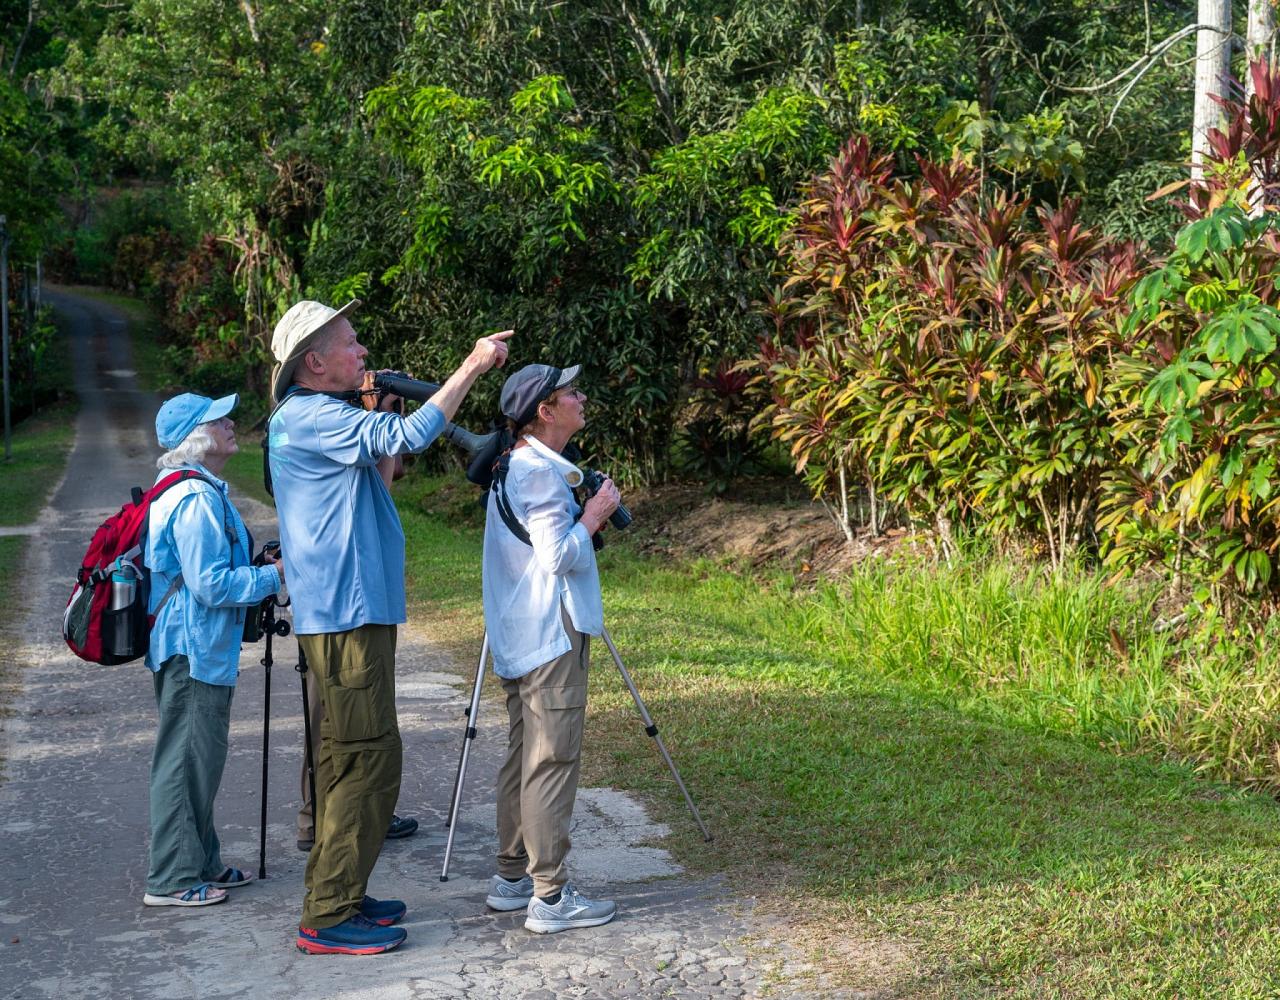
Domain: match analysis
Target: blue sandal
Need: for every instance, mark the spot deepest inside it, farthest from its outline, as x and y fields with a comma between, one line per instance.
x=231, y=878
x=204, y=894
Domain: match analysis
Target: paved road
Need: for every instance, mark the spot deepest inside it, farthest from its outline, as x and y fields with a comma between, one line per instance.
x=73, y=811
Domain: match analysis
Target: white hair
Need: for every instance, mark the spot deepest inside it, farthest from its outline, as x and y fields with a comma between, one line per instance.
x=191, y=450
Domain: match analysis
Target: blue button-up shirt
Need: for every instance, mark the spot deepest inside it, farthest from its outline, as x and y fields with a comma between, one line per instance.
x=525, y=585
x=194, y=530
x=339, y=530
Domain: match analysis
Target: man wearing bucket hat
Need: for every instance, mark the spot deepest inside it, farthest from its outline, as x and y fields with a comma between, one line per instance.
x=541, y=605
x=342, y=536
x=198, y=551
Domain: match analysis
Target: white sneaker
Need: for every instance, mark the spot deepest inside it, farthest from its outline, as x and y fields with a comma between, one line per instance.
x=573, y=910
x=504, y=895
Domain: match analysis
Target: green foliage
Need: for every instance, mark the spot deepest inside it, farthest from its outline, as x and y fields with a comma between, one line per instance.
x=569, y=207
x=1037, y=146
x=931, y=343
x=610, y=181
x=715, y=440
x=38, y=357
x=1198, y=488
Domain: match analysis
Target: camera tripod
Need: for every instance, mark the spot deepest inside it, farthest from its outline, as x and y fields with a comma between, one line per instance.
x=469, y=734
x=270, y=626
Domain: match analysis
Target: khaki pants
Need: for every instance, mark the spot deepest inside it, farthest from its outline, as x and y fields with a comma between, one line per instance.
x=538, y=782
x=357, y=770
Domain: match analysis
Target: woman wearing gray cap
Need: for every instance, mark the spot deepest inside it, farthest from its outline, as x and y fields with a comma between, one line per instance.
x=541, y=605
x=199, y=554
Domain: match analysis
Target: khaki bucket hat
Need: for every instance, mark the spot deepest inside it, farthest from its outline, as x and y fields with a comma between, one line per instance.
x=291, y=338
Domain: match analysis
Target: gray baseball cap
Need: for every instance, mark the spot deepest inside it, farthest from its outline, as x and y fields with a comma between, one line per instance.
x=525, y=389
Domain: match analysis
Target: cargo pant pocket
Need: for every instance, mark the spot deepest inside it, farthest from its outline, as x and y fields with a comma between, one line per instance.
x=561, y=713
x=358, y=703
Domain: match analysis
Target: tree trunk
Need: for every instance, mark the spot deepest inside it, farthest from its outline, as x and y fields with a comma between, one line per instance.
x=1258, y=42
x=1213, y=70
x=1260, y=35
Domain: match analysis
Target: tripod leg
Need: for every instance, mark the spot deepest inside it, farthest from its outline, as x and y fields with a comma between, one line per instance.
x=652, y=730
x=266, y=740
x=469, y=734
x=306, y=735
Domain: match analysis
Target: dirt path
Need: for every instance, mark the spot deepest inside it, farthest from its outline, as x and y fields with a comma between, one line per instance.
x=73, y=811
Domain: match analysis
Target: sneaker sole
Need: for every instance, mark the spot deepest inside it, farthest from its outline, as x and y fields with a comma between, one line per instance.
x=555, y=926
x=504, y=904
x=310, y=947
x=150, y=900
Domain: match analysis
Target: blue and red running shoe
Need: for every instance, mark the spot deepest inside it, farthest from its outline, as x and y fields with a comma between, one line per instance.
x=356, y=935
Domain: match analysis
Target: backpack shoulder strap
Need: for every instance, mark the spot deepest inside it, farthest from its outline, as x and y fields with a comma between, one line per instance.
x=182, y=475
x=508, y=515
x=185, y=475
x=500, y=500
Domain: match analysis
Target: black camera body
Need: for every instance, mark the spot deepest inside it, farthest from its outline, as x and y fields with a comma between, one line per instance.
x=592, y=480
x=261, y=618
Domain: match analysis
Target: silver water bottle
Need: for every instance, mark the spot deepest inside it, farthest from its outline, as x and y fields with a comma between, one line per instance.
x=123, y=584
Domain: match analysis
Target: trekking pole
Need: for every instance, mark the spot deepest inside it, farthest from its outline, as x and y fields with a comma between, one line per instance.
x=469, y=734
x=652, y=730
x=306, y=735
x=271, y=627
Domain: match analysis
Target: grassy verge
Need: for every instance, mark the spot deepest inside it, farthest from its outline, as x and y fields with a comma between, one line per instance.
x=40, y=446
x=919, y=755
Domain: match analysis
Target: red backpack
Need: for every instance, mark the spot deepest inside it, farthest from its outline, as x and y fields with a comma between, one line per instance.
x=101, y=628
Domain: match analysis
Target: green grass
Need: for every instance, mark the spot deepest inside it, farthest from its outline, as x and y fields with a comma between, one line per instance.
x=244, y=469
x=924, y=754
x=40, y=446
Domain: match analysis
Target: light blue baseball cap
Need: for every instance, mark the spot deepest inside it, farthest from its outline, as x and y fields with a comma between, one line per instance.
x=179, y=416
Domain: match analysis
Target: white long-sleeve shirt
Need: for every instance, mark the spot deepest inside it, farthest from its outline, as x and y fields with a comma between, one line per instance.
x=524, y=585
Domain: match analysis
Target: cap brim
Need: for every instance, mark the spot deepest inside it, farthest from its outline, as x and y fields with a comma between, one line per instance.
x=219, y=408
x=568, y=375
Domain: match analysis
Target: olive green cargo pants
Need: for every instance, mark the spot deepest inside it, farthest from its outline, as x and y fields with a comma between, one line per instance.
x=358, y=769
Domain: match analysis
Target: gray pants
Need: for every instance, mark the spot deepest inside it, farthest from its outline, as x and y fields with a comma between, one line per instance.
x=186, y=769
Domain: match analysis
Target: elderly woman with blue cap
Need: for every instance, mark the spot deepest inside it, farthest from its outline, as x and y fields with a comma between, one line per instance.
x=202, y=581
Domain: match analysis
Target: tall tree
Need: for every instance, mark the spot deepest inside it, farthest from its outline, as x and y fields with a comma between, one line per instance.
x=1213, y=71
x=1260, y=36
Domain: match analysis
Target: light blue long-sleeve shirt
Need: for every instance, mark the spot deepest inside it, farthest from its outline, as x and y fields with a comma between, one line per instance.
x=193, y=529
x=340, y=534
x=525, y=585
